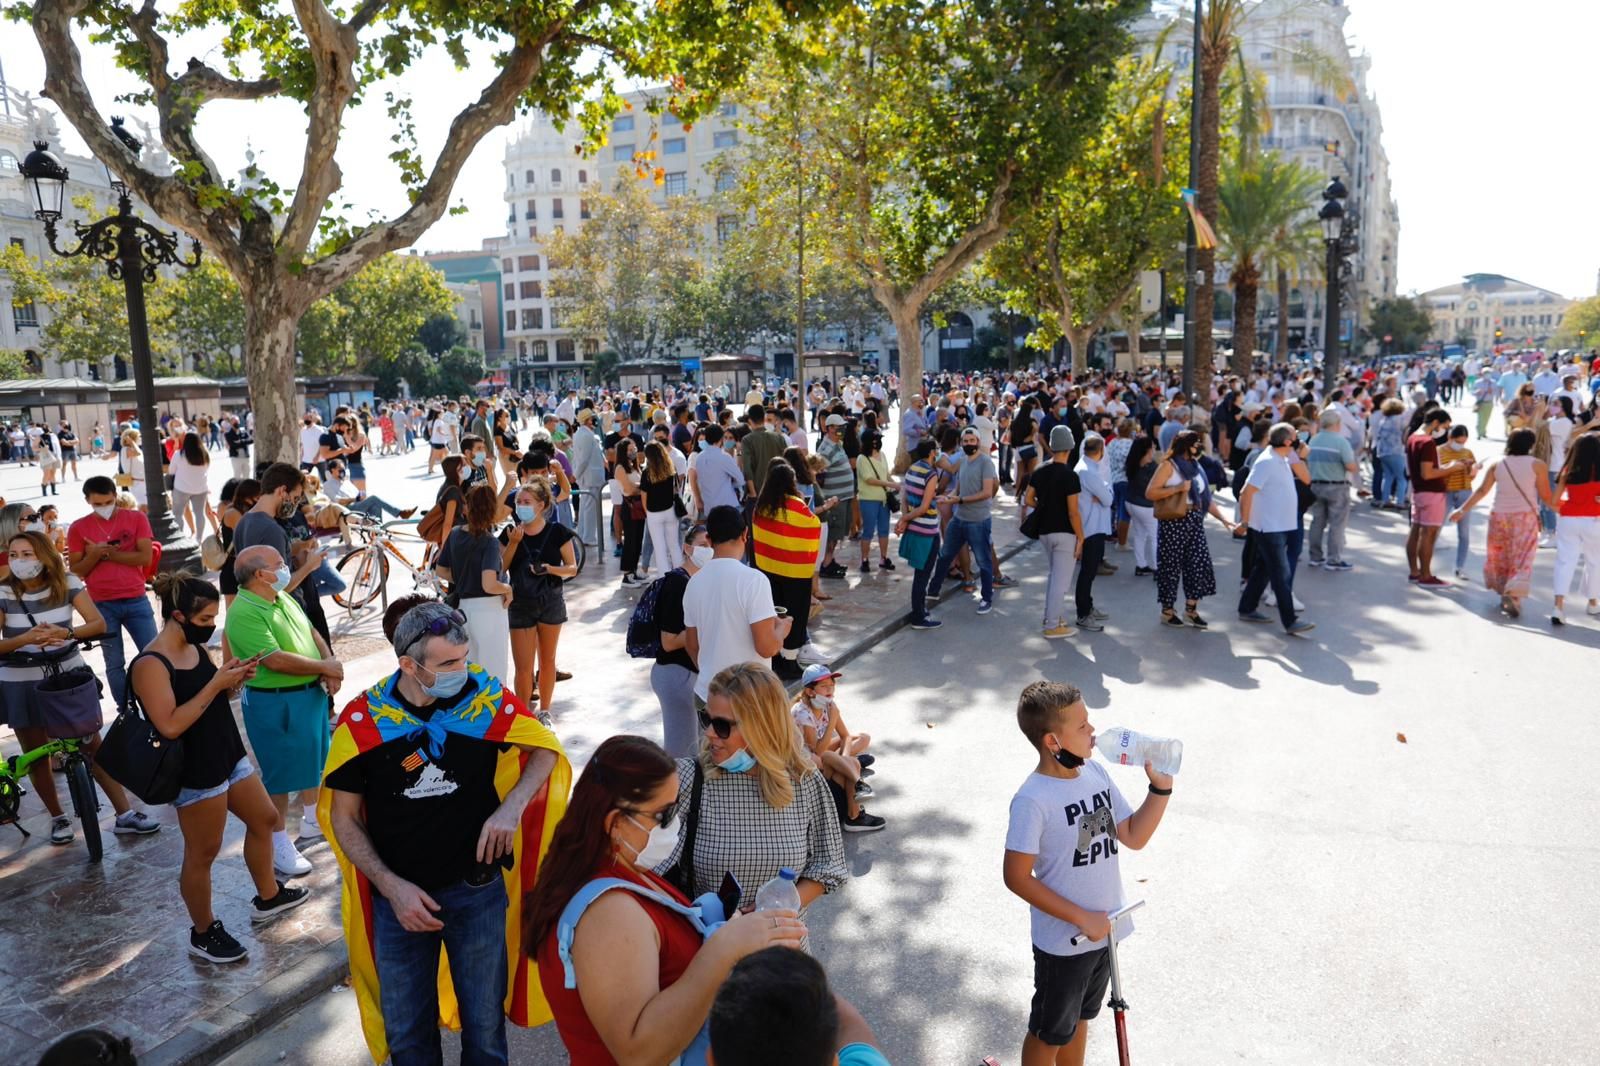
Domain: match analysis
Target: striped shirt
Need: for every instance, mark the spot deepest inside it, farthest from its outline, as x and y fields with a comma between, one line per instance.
x=838, y=479
x=787, y=544
x=1458, y=480
x=921, y=478
x=45, y=610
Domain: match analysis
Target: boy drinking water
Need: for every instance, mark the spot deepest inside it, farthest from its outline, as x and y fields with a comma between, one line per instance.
x=1068, y=821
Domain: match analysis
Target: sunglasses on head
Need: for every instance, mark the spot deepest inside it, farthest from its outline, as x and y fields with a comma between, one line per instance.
x=720, y=726
x=438, y=627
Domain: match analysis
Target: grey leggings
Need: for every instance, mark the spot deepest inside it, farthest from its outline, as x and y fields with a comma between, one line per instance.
x=196, y=502
x=680, y=726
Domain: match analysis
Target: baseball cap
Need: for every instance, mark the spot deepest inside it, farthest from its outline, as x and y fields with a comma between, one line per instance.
x=816, y=672
x=835, y=420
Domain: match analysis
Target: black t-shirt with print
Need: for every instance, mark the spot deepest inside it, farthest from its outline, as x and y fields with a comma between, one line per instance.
x=669, y=616
x=424, y=815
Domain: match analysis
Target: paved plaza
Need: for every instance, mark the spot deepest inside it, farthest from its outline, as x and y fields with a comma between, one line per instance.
x=1324, y=889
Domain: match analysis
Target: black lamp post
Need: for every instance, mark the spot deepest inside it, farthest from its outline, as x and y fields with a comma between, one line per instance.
x=132, y=250
x=1332, y=216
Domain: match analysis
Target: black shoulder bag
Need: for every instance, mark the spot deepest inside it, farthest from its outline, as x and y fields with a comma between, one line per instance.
x=135, y=753
x=681, y=876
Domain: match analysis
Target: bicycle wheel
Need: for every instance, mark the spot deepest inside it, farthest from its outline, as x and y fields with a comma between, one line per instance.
x=366, y=572
x=85, y=804
x=578, y=552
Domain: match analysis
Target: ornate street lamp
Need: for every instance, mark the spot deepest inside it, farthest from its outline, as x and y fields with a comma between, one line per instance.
x=132, y=250
x=1332, y=217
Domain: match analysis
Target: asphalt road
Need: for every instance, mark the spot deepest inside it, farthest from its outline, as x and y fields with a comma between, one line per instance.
x=1325, y=888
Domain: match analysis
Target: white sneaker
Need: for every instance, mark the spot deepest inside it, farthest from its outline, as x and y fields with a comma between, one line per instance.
x=1269, y=598
x=1593, y=608
x=289, y=862
x=1296, y=601
x=1547, y=541
x=812, y=654
x=310, y=828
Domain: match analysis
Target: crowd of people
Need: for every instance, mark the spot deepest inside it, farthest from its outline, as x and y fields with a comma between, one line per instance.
x=444, y=789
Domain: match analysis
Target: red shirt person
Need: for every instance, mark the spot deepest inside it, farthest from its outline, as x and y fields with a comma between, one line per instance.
x=110, y=548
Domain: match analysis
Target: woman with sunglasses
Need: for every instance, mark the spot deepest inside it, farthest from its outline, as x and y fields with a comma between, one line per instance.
x=763, y=805
x=641, y=978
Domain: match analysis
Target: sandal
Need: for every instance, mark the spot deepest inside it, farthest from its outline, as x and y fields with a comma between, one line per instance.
x=821, y=596
x=1169, y=617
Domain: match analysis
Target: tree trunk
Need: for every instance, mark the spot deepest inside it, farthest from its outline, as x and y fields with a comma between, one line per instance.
x=1281, y=349
x=269, y=329
x=1246, y=279
x=1079, y=338
x=908, y=333
x=1206, y=258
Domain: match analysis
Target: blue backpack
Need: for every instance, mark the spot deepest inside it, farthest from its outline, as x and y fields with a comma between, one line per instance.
x=644, y=636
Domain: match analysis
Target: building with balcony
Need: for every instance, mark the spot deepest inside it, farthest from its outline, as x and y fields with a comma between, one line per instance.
x=1486, y=311
x=24, y=119
x=1323, y=115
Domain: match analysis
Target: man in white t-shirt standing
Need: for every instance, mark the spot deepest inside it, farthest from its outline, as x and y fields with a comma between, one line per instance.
x=310, y=441
x=727, y=606
x=1270, y=507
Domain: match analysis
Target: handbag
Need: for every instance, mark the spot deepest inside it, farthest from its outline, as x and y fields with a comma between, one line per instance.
x=635, y=505
x=213, y=556
x=1171, y=508
x=135, y=753
x=122, y=479
x=68, y=701
x=681, y=875
x=1030, y=525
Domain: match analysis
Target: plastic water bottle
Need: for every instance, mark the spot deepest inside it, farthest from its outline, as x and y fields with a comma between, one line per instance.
x=1124, y=746
x=780, y=893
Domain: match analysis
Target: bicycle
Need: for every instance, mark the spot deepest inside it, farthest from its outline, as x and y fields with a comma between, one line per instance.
x=365, y=567
x=75, y=755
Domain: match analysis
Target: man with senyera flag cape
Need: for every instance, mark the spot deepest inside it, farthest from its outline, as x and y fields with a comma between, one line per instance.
x=441, y=793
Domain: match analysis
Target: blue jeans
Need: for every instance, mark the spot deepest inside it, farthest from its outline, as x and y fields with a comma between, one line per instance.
x=474, y=938
x=919, y=583
x=374, y=507
x=971, y=534
x=1452, y=501
x=1393, y=471
x=134, y=615
x=1271, y=564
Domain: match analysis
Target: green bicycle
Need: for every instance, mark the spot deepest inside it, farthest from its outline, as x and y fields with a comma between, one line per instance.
x=79, y=784
x=74, y=752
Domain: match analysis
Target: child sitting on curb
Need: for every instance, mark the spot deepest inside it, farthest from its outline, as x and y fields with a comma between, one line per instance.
x=841, y=757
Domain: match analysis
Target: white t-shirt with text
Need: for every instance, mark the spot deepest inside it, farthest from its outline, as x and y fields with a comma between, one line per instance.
x=1070, y=825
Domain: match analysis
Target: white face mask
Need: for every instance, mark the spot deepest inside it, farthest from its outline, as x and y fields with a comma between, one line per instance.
x=701, y=554
x=658, y=849
x=106, y=510
x=26, y=569
x=35, y=526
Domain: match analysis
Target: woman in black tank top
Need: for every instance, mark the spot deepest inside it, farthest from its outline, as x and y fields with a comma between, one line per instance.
x=186, y=697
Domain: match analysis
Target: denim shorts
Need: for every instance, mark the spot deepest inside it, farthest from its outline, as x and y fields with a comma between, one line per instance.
x=874, y=519
x=357, y=471
x=241, y=770
x=1119, y=501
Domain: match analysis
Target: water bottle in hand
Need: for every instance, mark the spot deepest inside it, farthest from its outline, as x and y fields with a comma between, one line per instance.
x=1124, y=746
x=780, y=893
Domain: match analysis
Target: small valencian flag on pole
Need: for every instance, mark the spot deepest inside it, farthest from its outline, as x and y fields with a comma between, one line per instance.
x=412, y=761
x=1204, y=235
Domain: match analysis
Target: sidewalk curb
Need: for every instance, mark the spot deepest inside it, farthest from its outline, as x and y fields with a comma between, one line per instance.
x=890, y=624
x=208, y=1039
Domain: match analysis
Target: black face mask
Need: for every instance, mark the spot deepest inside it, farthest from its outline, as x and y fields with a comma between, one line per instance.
x=287, y=508
x=1067, y=759
x=970, y=449
x=195, y=634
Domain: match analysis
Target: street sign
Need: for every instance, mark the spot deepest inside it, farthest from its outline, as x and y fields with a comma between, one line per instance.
x=1149, y=290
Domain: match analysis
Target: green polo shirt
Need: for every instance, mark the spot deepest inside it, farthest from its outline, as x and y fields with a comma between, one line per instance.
x=255, y=626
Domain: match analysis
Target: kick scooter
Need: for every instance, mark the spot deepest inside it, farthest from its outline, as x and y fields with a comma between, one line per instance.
x=1118, y=1005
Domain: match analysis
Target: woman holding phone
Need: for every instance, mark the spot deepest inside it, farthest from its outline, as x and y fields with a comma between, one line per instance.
x=538, y=556
x=186, y=695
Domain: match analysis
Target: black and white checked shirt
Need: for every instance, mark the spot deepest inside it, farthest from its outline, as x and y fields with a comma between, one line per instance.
x=740, y=834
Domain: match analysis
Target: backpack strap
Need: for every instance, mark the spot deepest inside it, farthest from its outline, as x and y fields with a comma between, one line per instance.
x=567, y=924
x=682, y=875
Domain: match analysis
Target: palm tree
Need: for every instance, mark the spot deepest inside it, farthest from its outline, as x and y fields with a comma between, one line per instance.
x=1222, y=23
x=1295, y=250
x=1263, y=205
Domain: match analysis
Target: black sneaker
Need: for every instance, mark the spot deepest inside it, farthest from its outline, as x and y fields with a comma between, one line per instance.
x=863, y=790
x=885, y=564
x=216, y=945
x=863, y=823
x=834, y=571
x=287, y=899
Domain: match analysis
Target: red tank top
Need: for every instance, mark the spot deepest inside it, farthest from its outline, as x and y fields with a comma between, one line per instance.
x=1582, y=501
x=679, y=943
